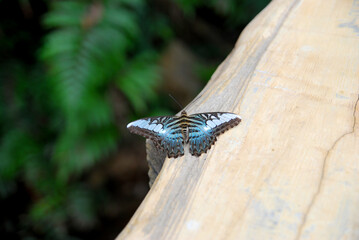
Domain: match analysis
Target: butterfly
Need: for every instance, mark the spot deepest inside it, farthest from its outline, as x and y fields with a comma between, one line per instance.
x=170, y=133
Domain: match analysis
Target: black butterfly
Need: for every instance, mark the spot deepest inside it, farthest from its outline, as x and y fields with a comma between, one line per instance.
x=200, y=131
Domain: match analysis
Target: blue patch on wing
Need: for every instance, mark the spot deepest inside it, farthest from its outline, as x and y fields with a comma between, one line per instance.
x=206, y=127
x=162, y=132
x=172, y=142
x=200, y=139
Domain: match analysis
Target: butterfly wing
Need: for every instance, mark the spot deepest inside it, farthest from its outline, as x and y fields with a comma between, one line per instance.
x=165, y=132
x=205, y=127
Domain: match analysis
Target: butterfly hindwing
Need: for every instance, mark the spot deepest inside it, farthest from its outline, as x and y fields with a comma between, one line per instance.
x=205, y=127
x=163, y=131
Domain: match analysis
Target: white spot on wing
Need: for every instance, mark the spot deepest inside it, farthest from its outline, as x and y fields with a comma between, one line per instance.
x=217, y=122
x=130, y=124
x=137, y=123
x=211, y=124
x=225, y=117
x=206, y=128
x=157, y=128
x=152, y=126
x=143, y=123
x=231, y=116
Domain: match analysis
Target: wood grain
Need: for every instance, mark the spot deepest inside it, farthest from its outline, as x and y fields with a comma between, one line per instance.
x=290, y=170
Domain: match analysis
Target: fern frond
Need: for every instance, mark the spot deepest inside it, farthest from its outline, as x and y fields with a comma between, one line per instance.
x=139, y=79
x=65, y=14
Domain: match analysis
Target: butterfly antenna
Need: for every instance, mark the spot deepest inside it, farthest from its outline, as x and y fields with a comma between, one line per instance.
x=176, y=101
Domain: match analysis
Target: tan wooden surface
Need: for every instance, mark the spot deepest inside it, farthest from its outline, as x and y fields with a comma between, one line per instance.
x=290, y=170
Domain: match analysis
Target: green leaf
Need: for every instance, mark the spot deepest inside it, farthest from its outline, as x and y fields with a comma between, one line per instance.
x=16, y=148
x=65, y=14
x=139, y=80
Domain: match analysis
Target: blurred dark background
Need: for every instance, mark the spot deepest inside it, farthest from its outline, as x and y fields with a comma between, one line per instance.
x=73, y=74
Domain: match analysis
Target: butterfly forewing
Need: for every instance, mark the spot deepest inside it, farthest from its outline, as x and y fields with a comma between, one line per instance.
x=205, y=127
x=163, y=131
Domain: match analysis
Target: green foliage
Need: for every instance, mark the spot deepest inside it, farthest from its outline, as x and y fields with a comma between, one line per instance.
x=138, y=73
x=88, y=50
x=60, y=124
x=237, y=12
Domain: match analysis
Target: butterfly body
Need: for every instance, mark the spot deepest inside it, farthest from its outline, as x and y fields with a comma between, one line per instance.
x=170, y=133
